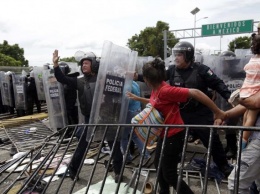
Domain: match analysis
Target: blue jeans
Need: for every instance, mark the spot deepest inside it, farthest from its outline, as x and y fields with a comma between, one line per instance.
x=135, y=139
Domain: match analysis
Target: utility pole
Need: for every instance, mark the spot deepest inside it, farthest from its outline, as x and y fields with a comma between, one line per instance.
x=165, y=44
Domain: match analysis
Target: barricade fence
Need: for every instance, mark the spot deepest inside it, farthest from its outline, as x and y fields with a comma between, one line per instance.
x=36, y=169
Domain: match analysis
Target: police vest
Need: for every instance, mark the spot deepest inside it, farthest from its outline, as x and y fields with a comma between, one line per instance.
x=86, y=95
x=193, y=80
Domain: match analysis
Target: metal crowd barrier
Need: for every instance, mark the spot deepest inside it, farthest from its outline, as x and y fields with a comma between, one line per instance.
x=46, y=159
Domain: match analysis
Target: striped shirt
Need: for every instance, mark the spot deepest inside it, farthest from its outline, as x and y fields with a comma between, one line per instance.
x=251, y=83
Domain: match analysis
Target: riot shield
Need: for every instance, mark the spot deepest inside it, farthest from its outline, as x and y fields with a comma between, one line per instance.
x=115, y=77
x=73, y=67
x=3, y=108
x=55, y=100
x=230, y=70
x=38, y=72
x=140, y=63
x=243, y=52
x=6, y=89
x=80, y=115
x=144, y=90
x=20, y=96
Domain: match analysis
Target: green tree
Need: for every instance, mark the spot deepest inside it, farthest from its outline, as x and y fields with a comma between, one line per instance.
x=8, y=61
x=150, y=40
x=14, y=52
x=68, y=59
x=242, y=42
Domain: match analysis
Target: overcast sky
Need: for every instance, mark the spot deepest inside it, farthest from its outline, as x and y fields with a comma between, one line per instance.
x=39, y=27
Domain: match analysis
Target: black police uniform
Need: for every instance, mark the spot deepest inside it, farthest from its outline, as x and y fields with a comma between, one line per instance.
x=70, y=95
x=85, y=105
x=32, y=96
x=201, y=77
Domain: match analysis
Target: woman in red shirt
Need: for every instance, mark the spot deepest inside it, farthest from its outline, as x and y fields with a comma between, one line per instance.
x=166, y=99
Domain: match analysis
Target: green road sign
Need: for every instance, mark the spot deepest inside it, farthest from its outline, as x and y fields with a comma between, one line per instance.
x=226, y=28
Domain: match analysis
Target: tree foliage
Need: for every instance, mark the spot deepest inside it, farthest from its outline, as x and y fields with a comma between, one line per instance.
x=12, y=55
x=242, y=42
x=150, y=40
x=8, y=61
x=68, y=59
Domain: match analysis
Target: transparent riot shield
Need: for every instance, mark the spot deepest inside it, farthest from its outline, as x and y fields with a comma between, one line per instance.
x=168, y=61
x=233, y=73
x=230, y=70
x=140, y=63
x=1, y=88
x=1, y=78
x=144, y=90
x=20, y=97
x=242, y=52
x=55, y=100
x=198, y=58
x=6, y=89
x=38, y=73
x=73, y=67
x=115, y=77
x=24, y=73
x=80, y=115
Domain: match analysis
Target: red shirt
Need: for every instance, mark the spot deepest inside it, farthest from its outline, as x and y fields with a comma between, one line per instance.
x=166, y=99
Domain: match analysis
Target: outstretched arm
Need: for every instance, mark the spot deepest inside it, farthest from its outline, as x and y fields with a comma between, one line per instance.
x=235, y=112
x=137, y=98
x=202, y=98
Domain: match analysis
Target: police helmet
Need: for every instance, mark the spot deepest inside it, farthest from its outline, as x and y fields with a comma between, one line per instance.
x=64, y=67
x=46, y=66
x=90, y=56
x=228, y=54
x=31, y=74
x=186, y=49
x=9, y=73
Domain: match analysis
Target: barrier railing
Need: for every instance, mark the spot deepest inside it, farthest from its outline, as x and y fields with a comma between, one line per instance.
x=27, y=171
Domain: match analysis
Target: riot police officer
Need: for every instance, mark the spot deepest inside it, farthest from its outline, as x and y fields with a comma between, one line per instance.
x=85, y=86
x=186, y=73
x=32, y=96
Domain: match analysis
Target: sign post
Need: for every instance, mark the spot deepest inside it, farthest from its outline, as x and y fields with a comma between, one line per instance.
x=227, y=28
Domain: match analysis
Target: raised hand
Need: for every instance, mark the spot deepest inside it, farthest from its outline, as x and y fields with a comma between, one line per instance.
x=55, y=58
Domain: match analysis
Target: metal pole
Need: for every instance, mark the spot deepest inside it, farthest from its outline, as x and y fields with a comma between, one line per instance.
x=220, y=43
x=194, y=29
x=165, y=44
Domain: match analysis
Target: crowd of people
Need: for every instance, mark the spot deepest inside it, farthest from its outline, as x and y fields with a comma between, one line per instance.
x=29, y=95
x=183, y=91
x=186, y=97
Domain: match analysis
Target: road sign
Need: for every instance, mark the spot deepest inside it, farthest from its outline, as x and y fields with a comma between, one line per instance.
x=226, y=28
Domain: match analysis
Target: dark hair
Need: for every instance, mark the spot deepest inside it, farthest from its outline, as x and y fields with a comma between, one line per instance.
x=154, y=71
x=255, y=45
